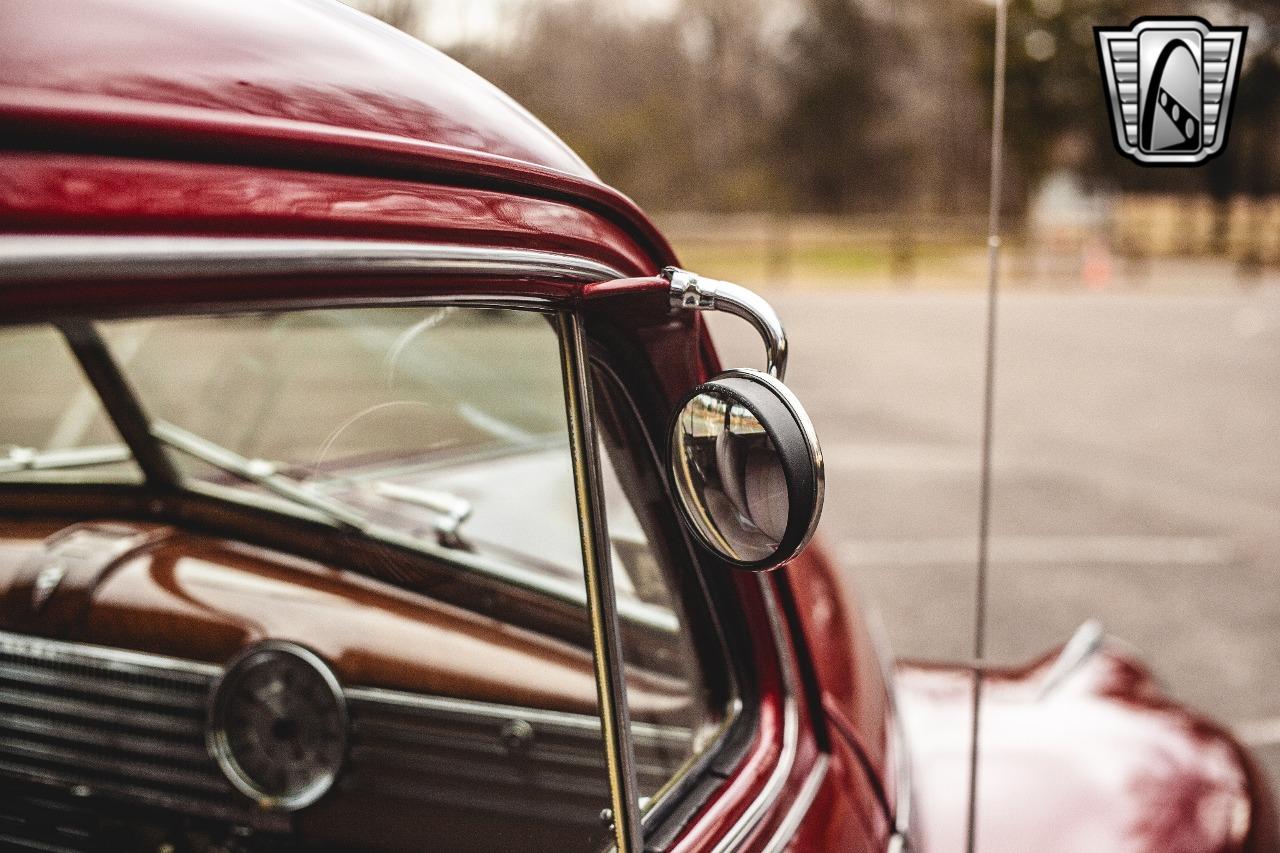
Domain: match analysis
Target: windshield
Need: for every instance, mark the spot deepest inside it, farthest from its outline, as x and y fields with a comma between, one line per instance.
x=326, y=393
x=440, y=428
x=52, y=425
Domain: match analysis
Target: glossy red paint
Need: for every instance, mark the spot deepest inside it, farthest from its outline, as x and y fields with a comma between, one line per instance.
x=1103, y=762
x=293, y=83
x=753, y=773
x=299, y=118
x=89, y=194
x=292, y=60
x=846, y=662
x=841, y=821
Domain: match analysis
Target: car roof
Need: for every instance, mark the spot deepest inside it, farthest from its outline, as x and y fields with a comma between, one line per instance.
x=308, y=84
x=301, y=60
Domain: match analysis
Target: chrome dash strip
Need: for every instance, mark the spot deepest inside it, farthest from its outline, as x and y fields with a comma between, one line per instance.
x=110, y=659
x=471, y=709
x=144, y=663
x=41, y=258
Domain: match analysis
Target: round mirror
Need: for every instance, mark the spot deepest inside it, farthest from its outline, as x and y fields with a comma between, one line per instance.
x=747, y=469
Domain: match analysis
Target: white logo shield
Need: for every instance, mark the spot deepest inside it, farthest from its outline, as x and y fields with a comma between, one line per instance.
x=1169, y=84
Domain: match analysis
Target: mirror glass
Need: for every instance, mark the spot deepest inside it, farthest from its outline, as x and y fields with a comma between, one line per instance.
x=729, y=477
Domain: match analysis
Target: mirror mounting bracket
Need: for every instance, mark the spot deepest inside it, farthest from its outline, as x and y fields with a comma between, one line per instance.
x=691, y=292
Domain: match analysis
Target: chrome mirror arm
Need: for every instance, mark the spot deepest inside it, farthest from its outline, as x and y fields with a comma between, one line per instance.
x=692, y=292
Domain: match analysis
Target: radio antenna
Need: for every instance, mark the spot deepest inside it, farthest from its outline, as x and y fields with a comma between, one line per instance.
x=988, y=409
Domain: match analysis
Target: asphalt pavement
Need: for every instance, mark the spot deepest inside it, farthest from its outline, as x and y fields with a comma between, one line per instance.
x=1136, y=475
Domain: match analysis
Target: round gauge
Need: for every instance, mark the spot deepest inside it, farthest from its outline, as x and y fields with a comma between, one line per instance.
x=278, y=725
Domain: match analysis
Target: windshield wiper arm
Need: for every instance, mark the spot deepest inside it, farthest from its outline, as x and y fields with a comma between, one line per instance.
x=258, y=471
x=451, y=510
x=29, y=459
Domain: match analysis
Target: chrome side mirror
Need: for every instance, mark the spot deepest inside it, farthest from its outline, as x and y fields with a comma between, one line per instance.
x=744, y=457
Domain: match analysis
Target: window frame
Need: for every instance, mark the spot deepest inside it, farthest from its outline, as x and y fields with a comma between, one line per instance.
x=666, y=812
x=748, y=611
x=102, y=269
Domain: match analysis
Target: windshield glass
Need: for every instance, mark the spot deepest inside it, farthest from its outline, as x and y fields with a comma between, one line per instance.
x=52, y=425
x=327, y=393
x=413, y=419
x=439, y=428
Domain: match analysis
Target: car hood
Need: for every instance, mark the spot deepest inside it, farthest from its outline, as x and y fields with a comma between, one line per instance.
x=1102, y=762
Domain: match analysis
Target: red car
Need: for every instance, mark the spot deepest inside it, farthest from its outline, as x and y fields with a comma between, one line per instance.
x=369, y=481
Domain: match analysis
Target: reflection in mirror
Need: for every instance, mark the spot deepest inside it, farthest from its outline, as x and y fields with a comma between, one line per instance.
x=747, y=469
x=731, y=477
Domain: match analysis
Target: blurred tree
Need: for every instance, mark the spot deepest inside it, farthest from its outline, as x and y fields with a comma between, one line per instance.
x=831, y=137
x=804, y=105
x=848, y=105
x=673, y=109
x=941, y=120
x=1251, y=162
x=735, y=93
x=1057, y=115
x=616, y=91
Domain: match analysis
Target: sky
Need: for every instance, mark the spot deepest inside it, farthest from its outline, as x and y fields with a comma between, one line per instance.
x=447, y=22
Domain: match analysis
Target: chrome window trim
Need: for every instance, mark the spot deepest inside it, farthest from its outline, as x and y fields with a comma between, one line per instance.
x=44, y=258
x=774, y=785
x=602, y=603
x=37, y=258
x=650, y=806
x=804, y=800
x=32, y=258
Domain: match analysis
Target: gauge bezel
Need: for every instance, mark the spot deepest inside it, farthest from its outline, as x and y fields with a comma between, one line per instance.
x=216, y=733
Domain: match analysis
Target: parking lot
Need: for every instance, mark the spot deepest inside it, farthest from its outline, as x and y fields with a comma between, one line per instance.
x=1136, y=479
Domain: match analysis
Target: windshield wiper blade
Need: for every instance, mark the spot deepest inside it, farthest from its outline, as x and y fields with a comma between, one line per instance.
x=257, y=471
x=29, y=459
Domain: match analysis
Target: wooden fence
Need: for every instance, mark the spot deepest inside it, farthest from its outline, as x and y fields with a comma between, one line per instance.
x=1137, y=238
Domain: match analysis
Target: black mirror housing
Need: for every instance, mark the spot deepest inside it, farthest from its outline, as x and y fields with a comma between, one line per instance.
x=747, y=469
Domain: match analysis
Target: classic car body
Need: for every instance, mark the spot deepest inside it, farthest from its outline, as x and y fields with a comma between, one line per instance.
x=191, y=187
